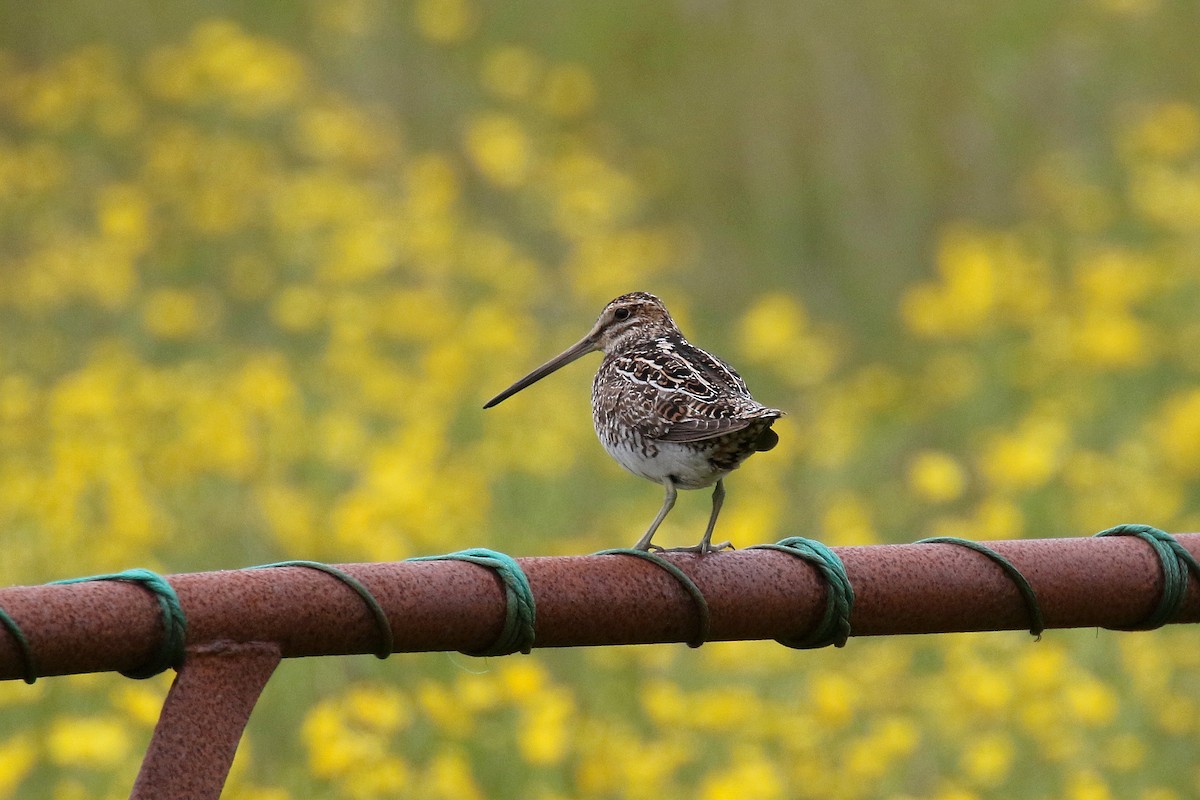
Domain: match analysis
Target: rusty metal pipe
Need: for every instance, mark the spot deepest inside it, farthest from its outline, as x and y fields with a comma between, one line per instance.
x=202, y=720
x=594, y=600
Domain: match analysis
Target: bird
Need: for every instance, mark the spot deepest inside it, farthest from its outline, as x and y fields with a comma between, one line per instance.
x=665, y=409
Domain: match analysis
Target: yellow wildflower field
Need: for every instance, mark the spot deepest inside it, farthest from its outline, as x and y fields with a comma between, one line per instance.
x=259, y=272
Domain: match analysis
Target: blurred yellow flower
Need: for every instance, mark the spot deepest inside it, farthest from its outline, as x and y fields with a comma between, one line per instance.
x=987, y=760
x=1113, y=340
x=140, y=702
x=955, y=794
x=449, y=777
x=1176, y=430
x=749, y=775
x=479, y=692
x=771, y=329
x=732, y=709
x=665, y=703
x=19, y=397
x=936, y=477
x=1042, y=719
x=18, y=754
x=363, y=249
x=1043, y=667
x=986, y=688
x=998, y=518
x=602, y=743
x=1112, y=278
x=605, y=263
x=446, y=21
x=897, y=736
x=224, y=64
x=1087, y=785
x=439, y=704
x=758, y=517
x=338, y=750
x=965, y=299
x=847, y=521
x=96, y=742
x=544, y=734
x=264, y=384
x=1167, y=196
x=1091, y=701
x=985, y=280
x=176, y=313
x=73, y=268
x=1027, y=456
x=863, y=762
x=289, y=517
x=384, y=777
x=500, y=149
x=1168, y=131
x=591, y=196
x=1115, y=485
x=123, y=214
x=335, y=131
x=523, y=679
x=377, y=707
x=833, y=699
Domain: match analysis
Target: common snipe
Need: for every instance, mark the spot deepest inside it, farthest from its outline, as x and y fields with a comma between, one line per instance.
x=663, y=408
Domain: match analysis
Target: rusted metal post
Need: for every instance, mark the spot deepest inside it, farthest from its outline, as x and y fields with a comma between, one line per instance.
x=595, y=600
x=202, y=720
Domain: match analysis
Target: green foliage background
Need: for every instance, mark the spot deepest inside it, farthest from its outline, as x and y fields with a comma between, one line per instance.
x=261, y=263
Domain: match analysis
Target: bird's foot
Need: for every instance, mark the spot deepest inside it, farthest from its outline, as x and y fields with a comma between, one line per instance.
x=703, y=548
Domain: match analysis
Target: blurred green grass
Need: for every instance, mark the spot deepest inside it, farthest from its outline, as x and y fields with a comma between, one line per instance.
x=260, y=264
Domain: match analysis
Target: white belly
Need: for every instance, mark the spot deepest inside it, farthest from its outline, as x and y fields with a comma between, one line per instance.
x=686, y=464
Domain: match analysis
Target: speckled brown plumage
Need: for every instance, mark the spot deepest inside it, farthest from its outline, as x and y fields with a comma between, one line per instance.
x=663, y=408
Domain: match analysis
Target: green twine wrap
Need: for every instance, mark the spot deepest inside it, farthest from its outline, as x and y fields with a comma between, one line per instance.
x=386, y=638
x=28, y=663
x=1176, y=562
x=171, y=649
x=1037, y=622
x=702, y=611
x=834, y=627
x=520, y=615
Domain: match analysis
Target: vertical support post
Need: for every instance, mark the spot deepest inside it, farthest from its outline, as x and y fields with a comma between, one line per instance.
x=202, y=720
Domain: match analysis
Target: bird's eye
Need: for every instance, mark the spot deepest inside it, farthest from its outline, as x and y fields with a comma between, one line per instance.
x=621, y=314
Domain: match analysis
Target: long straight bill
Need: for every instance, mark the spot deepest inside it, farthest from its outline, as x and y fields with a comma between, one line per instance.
x=580, y=348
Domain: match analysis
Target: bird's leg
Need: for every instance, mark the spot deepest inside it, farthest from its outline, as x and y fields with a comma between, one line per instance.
x=706, y=545
x=668, y=504
x=718, y=498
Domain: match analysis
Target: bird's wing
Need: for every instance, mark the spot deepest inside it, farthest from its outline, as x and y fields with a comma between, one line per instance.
x=678, y=396
x=696, y=430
